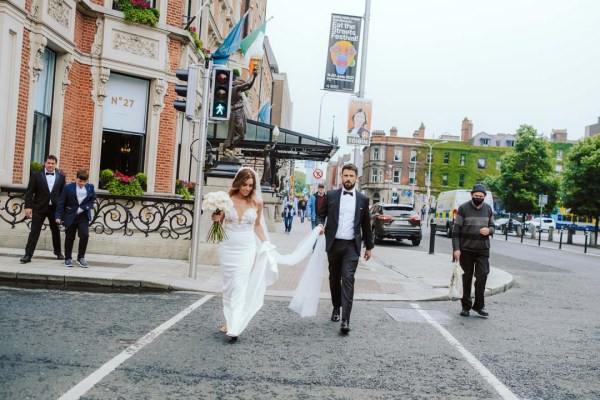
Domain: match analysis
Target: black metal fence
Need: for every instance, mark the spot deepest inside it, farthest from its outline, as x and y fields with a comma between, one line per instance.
x=171, y=218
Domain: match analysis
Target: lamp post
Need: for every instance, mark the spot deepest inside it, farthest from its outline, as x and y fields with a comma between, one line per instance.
x=320, y=110
x=428, y=180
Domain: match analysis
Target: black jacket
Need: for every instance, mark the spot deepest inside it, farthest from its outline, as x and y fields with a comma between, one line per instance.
x=38, y=196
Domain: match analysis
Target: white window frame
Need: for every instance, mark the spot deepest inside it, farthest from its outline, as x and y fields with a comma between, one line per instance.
x=396, y=176
x=376, y=153
x=398, y=154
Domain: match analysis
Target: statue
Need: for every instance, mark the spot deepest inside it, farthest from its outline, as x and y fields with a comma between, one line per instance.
x=266, y=177
x=237, y=119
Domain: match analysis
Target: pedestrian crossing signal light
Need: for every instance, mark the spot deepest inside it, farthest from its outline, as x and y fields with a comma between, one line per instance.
x=221, y=93
x=188, y=106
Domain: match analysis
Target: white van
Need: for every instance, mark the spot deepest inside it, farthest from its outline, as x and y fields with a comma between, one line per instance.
x=447, y=205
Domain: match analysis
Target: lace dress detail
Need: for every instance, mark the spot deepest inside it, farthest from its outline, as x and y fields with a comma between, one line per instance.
x=233, y=222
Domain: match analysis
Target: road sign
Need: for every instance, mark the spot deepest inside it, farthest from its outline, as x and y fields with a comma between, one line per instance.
x=543, y=200
x=318, y=173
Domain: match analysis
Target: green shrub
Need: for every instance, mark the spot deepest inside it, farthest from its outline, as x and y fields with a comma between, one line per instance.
x=35, y=167
x=184, y=189
x=106, y=176
x=142, y=179
x=122, y=188
x=138, y=11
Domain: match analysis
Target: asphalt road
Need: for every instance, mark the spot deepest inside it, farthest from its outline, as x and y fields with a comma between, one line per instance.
x=541, y=341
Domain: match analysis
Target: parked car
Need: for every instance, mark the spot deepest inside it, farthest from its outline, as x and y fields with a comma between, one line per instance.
x=535, y=223
x=395, y=221
x=501, y=224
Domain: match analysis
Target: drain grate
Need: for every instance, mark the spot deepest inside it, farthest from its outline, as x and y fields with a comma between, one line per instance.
x=412, y=316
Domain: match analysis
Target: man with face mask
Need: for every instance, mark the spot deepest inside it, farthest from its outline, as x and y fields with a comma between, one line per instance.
x=473, y=225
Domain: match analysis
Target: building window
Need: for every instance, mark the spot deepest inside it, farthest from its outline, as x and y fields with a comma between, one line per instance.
x=397, y=176
x=42, y=115
x=461, y=180
x=413, y=156
x=481, y=163
x=446, y=158
x=559, y=155
x=558, y=169
x=510, y=143
x=484, y=141
x=398, y=154
x=429, y=158
x=124, y=123
x=377, y=175
x=412, y=177
x=375, y=153
x=463, y=158
x=498, y=165
x=445, y=180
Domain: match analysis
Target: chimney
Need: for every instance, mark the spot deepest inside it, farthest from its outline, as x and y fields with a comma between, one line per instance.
x=420, y=134
x=394, y=131
x=466, y=132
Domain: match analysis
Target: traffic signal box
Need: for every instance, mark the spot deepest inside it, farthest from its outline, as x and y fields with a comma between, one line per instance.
x=222, y=78
x=188, y=91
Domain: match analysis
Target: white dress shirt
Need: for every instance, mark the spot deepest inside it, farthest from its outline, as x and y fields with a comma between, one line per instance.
x=81, y=195
x=50, y=179
x=345, y=229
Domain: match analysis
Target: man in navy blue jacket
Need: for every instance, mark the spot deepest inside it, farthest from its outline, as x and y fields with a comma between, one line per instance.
x=74, y=212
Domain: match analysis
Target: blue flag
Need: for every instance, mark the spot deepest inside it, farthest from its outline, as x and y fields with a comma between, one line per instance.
x=264, y=114
x=230, y=44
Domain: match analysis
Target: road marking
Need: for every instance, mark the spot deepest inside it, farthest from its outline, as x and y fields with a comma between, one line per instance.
x=91, y=380
x=502, y=390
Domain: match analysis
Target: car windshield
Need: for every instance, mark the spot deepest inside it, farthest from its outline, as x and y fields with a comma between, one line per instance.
x=398, y=211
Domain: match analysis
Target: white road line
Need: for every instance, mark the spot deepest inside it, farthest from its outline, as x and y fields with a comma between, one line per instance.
x=91, y=380
x=502, y=390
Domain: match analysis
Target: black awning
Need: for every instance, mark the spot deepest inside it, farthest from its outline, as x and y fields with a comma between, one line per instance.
x=290, y=144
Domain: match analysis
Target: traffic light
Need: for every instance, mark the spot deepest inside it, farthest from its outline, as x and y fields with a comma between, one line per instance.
x=221, y=93
x=188, y=91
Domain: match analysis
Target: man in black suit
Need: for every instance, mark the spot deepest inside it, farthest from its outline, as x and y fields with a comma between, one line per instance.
x=348, y=223
x=41, y=198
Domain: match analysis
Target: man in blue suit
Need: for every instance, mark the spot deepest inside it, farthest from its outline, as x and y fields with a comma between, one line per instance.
x=74, y=212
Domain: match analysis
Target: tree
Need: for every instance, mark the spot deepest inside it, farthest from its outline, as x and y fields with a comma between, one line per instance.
x=580, y=184
x=299, y=182
x=525, y=174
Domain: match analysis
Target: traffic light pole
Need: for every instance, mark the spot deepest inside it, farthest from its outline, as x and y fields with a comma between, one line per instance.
x=200, y=170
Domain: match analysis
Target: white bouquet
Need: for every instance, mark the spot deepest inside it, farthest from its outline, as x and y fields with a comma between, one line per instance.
x=216, y=202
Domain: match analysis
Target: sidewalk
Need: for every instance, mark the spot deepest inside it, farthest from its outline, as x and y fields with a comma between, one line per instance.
x=393, y=273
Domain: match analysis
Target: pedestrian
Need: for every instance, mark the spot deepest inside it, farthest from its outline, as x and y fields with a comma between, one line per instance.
x=302, y=208
x=74, y=212
x=348, y=220
x=289, y=210
x=42, y=195
x=473, y=225
x=315, y=202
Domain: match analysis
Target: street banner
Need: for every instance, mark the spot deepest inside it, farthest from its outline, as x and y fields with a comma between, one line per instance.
x=359, y=121
x=340, y=68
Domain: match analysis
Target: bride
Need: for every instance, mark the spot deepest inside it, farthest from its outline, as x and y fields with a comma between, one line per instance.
x=248, y=259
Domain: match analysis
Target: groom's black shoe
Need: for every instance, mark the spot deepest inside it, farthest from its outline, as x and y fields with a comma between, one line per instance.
x=335, y=315
x=345, y=327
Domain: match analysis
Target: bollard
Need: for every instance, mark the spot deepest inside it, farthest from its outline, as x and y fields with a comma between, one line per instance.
x=569, y=235
x=505, y=227
x=432, y=238
x=522, y=233
x=560, y=239
x=585, y=245
x=550, y=232
x=539, y=236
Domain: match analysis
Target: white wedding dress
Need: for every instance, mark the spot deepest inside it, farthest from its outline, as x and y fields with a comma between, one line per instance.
x=249, y=267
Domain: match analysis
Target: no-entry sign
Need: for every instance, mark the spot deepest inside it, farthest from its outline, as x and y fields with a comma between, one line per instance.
x=318, y=173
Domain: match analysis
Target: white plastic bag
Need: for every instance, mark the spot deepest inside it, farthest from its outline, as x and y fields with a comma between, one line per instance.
x=456, y=287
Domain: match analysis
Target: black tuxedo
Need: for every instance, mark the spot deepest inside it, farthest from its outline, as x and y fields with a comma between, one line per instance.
x=74, y=220
x=38, y=198
x=343, y=255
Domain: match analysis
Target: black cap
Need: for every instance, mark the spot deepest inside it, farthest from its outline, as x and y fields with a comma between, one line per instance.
x=478, y=188
x=320, y=185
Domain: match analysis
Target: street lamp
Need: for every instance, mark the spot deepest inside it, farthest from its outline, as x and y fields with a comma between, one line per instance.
x=428, y=180
x=320, y=110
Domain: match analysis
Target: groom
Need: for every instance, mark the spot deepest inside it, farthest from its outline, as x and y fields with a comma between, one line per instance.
x=348, y=219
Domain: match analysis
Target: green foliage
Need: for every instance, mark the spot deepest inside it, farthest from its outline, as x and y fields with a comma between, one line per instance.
x=106, y=176
x=580, y=183
x=142, y=179
x=184, y=189
x=525, y=174
x=120, y=188
x=139, y=11
x=35, y=167
x=197, y=42
x=299, y=182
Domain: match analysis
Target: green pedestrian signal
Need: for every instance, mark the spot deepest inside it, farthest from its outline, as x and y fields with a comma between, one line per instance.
x=220, y=93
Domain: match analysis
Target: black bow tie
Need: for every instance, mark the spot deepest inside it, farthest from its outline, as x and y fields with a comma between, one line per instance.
x=350, y=193
x=49, y=173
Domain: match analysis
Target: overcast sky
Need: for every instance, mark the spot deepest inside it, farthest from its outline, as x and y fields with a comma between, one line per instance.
x=500, y=64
